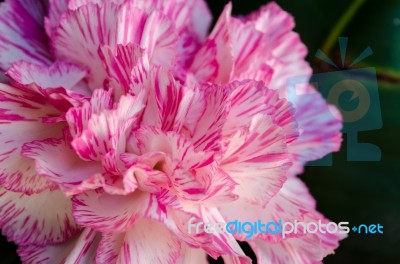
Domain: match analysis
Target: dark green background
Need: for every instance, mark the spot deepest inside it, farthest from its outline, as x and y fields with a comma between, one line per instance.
x=358, y=192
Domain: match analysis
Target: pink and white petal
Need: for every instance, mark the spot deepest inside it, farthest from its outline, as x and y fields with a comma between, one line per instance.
x=159, y=38
x=287, y=50
x=289, y=62
x=192, y=255
x=191, y=108
x=249, y=98
x=258, y=71
x=149, y=242
x=189, y=41
x=112, y=162
x=272, y=20
x=328, y=241
x=95, y=141
x=97, y=209
x=75, y=4
x=207, y=132
x=149, y=139
x=79, y=249
x=320, y=126
x=120, y=185
x=223, y=242
x=257, y=159
x=77, y=40
x=188, y=186
x=291, y=203
x=21, y=116
x=140, y=24
x=59, y=82
x=38, y=219
x=292, y=250
x=201, y=18
x=58, y=74
x=119, y=64
x=192, y=15
x=78, y=117
x=219, y=186
x=176, y=214
x=149, y=179
x=109, y=248
x=101, y=100
x=189, y=173
x=165, y=95
x=56, y=9
x=214, y=61
x=139, y=76
x=22, y=36
x=111, y=24
x=93, y=183
x=283, y=114
x=57, y=162
x=247, y=46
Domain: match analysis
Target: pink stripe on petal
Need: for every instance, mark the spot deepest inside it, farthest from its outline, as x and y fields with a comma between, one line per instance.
x=60, y=83
x=247, y=45
x=149, y=242
x=38, y=219
x=56, y=161
x=291, y=203
x=257, y=159
x=119, y=65
x=223, y=242
x=191, y=108
x=249, y=98
x=95, y=141
x=56, y=9
x=208, y=130
x=22, y=36
x=77, y=40
x=287, y=50
x=75, y=4
x=321, y=126
x=21, y=115
x=159, y=39
x=80, y=249
x=109, y=248
x=214, y=61
x=58, y=74
x=292, y=250
x=98, y=210
x=165, y=95
x=78, y=117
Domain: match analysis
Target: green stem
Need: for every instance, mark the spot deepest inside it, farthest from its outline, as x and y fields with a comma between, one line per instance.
x=341, y=25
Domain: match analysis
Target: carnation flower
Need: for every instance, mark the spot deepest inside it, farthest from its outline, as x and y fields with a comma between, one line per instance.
x=120, y=121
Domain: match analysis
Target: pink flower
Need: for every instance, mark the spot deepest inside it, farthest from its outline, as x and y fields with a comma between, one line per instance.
x=122, y=120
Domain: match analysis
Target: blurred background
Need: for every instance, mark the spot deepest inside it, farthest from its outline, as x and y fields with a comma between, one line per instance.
x=360, y=192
